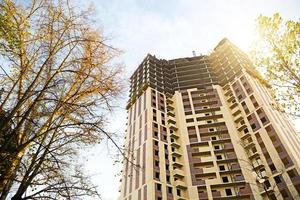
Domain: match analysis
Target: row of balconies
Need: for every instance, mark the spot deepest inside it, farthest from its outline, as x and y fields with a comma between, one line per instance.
x=177, y=173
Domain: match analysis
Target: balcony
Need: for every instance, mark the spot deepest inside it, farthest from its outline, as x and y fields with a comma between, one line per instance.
x=216, y=194
x=177, y=164
x=230, y=98
x=238, y=178
x=233, y=105
x=236, y=112
x=176, y=154
x=169, y=101
x=175, y=144
x=180, y=184
x=209, y=117
x=173, y=127
x=171, y=120
x=178, y=173
x=169, y=113
x=227, y=160
x=226, y=87
x=238, y=118
x=228, y=92
x=174, y=135
x=241, y=127
x=203, y=196
x=295, y=180
x=248, y=145
x=245, y=136
x=254, y=155
x=170, y=107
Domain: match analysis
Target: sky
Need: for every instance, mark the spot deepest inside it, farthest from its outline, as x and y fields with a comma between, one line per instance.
x=168, y=29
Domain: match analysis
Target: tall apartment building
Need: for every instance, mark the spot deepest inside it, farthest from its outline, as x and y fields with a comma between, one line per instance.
x=207, y=127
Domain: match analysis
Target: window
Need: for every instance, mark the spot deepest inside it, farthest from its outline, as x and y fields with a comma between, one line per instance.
x=154, y=118
x=178, y=192
x=206, y=114
x=285, y=161
x=277, y=179
x=209, y=122
x=167, y=167
x=157, y=175
x=279, y=149
x=263, y=120
x=253, y=126
x=219, y=157
x=272, y=167
x=156, y=152
x=155, y=133
x=222, y=168
x=164, y=137
x=267, y=156
x=163, y=122
x=246, y=130
x=214, y=138
x=217, y=147
x=155, y=142
x=169, y=190
x=156, y=163
x=291, y=173
x=267, y=184
x=284, y=193
x=189, y=120
x=228, y=192
x=225, y=179
x=168, y=178
x=158, y=187
x=273, y=138
x=211, y=130
x=245, y=107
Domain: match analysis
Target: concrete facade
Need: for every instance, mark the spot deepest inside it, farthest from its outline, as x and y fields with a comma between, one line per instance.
x=207, y=127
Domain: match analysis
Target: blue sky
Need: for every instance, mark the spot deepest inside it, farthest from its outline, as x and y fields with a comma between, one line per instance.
x=170, y=29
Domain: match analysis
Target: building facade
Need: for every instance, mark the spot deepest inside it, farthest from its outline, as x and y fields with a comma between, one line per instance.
x=207, y=127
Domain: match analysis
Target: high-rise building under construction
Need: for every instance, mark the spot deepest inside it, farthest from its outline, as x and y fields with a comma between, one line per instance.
x=207, y=127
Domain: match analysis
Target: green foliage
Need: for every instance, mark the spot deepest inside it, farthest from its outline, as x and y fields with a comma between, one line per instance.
x=277, y=55
x=8, y=25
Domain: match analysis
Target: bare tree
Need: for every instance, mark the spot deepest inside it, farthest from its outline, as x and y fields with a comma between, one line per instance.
x=58, y=83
